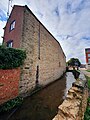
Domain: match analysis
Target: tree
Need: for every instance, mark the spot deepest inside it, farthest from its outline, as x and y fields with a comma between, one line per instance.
x=74, y=62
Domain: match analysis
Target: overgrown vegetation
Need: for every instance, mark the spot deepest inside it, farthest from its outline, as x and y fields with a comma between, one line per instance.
x=88, y=81
x=74, y=62
x=88, y=70
x=11, y=58
x=87, y=113
x=11, y=104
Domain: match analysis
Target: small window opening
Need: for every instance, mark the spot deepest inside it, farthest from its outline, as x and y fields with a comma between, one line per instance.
x=10, y=43
x=12, y=25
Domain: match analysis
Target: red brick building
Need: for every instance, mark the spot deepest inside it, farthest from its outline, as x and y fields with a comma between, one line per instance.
x=45, y=61
x=87, y=52
x=13, y=28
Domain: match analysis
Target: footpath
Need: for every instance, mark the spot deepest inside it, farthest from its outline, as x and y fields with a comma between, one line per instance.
x=85, y=72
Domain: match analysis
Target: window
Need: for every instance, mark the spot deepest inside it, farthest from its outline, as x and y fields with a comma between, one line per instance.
x=89, y=55
x=89, y=60
x=88, y=50
x=10, y=43
x=12, y=25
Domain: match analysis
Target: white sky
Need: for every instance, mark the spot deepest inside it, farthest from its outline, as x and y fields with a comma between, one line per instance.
x=67, y=20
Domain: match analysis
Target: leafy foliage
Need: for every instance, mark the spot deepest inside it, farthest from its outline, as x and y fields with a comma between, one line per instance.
x=11, y=104
x=74, y=62
x=11, y=58
x=87, y=114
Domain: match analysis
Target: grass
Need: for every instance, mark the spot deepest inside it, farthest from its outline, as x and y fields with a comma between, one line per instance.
x=88, y=81
x=87, y=113
x=88, y=70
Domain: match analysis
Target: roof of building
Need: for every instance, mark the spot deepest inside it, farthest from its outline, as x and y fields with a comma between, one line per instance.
x=87, y=48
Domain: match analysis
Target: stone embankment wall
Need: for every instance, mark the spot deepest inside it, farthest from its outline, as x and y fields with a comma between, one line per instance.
x=9, y=84
x=74, y=105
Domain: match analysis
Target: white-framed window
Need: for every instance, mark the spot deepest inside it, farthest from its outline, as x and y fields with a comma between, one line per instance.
x=89, y=55
x=10, y=43
x=12, y=25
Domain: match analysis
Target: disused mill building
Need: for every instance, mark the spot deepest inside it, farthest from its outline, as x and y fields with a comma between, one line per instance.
x=45, y=61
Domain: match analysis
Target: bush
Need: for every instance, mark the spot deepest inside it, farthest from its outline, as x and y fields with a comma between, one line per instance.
x=87, y=114
x=11, y=104
x=11, y=58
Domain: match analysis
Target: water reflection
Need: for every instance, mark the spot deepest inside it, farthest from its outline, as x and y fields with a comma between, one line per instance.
x=44, y=104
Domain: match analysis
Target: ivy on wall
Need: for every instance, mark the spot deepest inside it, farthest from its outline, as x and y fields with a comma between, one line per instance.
x=11, y=58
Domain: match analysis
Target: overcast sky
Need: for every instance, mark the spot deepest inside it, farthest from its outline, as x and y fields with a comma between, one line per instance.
x=67, y=20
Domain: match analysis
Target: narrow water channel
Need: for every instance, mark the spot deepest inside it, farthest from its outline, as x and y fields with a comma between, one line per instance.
x=44, y=104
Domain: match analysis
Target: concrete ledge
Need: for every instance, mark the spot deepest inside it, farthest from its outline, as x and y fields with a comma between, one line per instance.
x=74, y=105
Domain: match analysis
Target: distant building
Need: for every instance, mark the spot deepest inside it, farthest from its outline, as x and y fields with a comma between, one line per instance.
x=83, y=66
x=87, y=52
x=45, y=60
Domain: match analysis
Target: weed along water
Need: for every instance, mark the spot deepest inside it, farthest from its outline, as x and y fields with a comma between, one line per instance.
x=43, y=105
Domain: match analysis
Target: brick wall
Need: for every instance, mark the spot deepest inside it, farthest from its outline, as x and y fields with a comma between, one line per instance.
x=15, y=34
x=45, y=60
x=87, y=51
x=87, y=57
x=9, y=84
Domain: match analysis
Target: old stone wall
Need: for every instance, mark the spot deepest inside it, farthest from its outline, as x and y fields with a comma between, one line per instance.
x=45, y=60
x=9, y=84
x=74, y=105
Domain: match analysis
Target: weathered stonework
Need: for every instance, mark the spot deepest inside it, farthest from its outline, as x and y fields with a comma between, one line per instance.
x=45, y=60
x=74, y=105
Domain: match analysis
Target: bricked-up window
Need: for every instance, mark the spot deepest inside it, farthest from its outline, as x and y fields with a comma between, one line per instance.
x=59, y=64
x=12, y=25
x=10, y=43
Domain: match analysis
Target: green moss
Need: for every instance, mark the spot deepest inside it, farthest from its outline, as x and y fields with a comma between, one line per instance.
x=11, y=104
